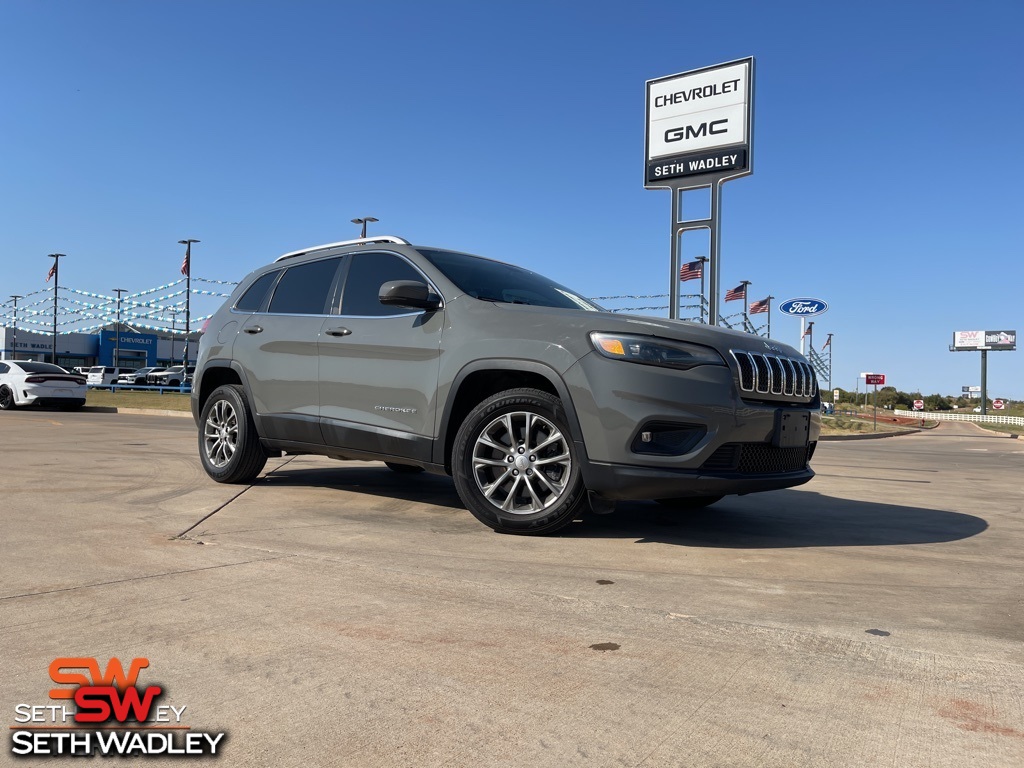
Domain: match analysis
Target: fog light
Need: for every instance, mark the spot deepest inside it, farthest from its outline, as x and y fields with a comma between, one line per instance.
x=665, y=439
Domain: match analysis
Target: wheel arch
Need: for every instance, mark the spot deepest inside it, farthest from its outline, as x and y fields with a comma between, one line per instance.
x=217, y=373
x=481, y=379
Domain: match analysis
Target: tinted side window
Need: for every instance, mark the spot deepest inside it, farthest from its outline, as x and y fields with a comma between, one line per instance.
x=303, y=289
x=366, y=275
x=253, y=298
x=4, y=368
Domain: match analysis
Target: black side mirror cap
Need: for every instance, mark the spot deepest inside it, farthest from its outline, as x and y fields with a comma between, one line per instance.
x=408, y=293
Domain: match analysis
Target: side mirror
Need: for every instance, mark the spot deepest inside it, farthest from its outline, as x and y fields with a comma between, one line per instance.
x=408, y=293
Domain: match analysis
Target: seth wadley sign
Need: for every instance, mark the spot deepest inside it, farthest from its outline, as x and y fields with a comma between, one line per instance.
x=698, y=123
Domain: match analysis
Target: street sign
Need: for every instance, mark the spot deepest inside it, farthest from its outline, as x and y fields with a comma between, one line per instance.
x=878, y=379
x=919, y=405
x=835, y=395
x=998, y=404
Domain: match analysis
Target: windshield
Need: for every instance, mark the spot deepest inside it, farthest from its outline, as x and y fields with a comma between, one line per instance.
x=494, y=281
x=40, y=368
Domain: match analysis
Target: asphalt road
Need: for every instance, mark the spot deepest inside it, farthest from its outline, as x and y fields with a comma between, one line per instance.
x=337, y=614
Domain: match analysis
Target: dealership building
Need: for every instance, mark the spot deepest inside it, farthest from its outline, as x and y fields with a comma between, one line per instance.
x=74, y=350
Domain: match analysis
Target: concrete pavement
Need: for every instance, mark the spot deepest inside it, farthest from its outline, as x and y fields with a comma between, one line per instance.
x=337, y=614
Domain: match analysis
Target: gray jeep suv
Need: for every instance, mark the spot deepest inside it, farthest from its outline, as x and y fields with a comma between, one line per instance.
x=538, y=403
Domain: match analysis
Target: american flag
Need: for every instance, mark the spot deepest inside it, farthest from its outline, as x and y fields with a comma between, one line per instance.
x=758, y=307
x=827, y=342
x=52, y=272
x=691, y=271
x=807, y=332
x=737, y=293
x=185, y=265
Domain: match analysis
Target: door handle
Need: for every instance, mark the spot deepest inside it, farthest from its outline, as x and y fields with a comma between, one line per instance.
x=338, y=332
x=254, y=329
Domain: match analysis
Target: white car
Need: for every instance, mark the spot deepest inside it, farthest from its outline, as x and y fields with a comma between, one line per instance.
x=104, y=376
x=136, y=377
x=24, y=382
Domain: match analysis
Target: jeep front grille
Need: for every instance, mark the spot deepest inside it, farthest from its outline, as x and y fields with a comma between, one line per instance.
x=774, y=375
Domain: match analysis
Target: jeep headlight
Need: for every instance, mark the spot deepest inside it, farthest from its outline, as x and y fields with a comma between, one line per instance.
x=651, y=350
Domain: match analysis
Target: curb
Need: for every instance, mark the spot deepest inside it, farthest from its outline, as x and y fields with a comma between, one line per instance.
x=872, y=436
x=138, y=411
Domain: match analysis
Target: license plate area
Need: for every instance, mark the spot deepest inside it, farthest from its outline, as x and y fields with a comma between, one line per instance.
x=792, y=429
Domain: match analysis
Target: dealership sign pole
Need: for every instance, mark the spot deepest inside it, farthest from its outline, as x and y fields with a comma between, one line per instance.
x=803, y=308
x=698, y=136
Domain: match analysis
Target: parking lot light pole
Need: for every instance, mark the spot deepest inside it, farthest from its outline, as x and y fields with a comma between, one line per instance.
x=117, y=331
x=14, y=336
x=55, y=271
x=186, y=270
x=363, y=221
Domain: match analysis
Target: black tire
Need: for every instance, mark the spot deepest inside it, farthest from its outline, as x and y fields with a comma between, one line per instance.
x=229, y=446
x=495, y=459
x=402, y=469
x=174, y=383
x=7, y=399
x=689, y=502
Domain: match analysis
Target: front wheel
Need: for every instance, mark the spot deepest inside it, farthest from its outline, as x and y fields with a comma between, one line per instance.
x=7, y=399
x=515, y=465
x=229, y=446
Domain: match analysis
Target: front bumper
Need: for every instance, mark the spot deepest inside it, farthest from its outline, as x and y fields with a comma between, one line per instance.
x=620, y=481
x=738, y=453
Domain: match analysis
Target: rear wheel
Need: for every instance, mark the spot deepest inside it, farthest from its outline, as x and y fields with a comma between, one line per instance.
x=515, y=464
x=229, y=446
x=7, y=399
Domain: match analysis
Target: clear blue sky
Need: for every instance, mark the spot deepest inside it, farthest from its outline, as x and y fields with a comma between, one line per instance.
x=887, y=160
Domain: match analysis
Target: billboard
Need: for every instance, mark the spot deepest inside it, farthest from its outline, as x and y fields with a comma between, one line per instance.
x=699, y=123
x=976, y=340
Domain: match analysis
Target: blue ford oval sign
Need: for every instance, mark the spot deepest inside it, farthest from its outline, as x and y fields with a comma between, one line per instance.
x=803, y=307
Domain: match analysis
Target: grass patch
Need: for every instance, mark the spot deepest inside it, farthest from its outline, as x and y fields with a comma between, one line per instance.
x=129, y=399
x=1012, y=429
x=850, y=425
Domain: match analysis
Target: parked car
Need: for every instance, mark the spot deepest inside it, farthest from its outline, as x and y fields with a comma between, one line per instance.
x=103, y=376
x=137, y=377
x=537, y=402
x=80, y=371
x=24, y=382
x=172, y=377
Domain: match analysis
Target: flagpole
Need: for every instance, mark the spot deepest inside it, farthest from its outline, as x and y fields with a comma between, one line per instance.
x=703, y=260
x=56, y=281
x=746, y=315
x=188, y=295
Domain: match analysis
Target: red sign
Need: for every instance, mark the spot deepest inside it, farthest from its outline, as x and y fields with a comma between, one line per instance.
x=919, y=405
x=998, y=404
x=875, y=378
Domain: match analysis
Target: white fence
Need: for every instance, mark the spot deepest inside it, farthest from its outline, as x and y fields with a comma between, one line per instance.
x=1017, y=421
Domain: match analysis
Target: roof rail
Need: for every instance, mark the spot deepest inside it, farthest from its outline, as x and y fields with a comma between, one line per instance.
x=357, y=241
